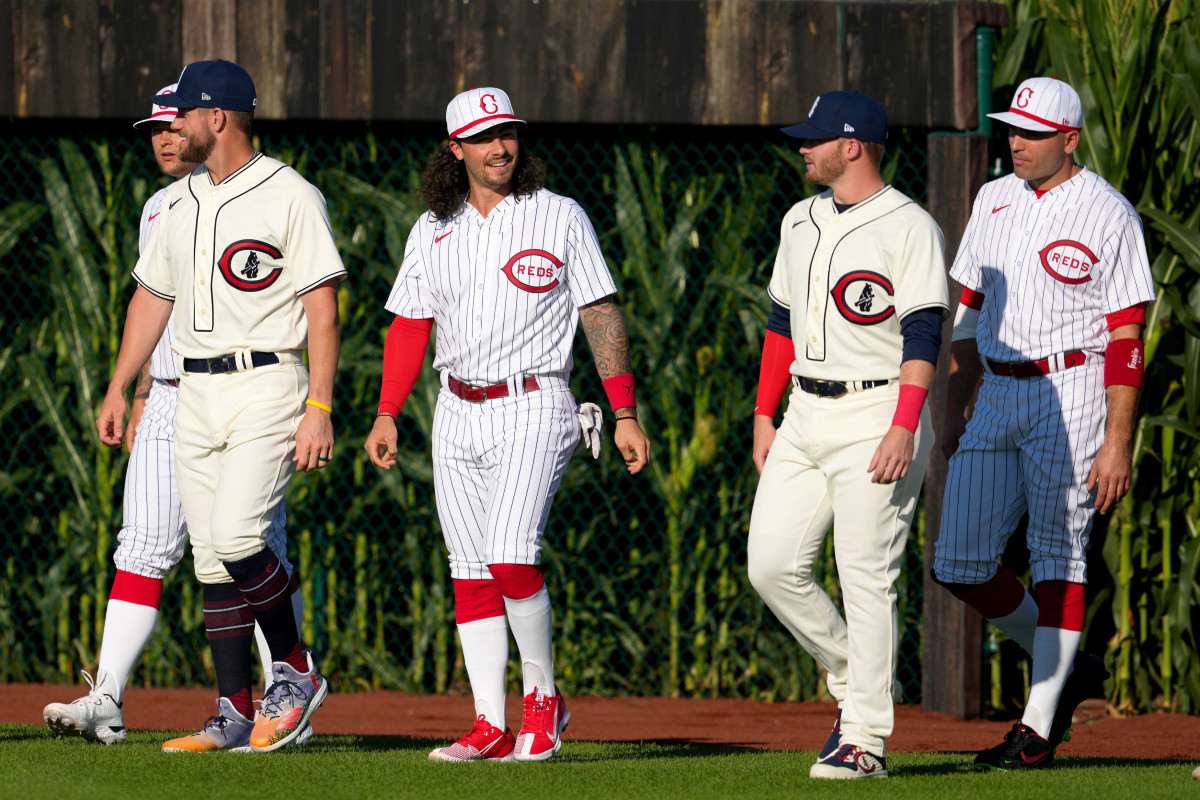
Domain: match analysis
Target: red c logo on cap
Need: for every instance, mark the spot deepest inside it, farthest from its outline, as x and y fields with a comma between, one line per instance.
x=483, y=103
x=1022, y=98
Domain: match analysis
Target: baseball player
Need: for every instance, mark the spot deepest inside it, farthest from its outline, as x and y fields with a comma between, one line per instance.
x=858, y=295
x=245, y=254
x=1048, y=332
x=152, y=537
x=505, y=268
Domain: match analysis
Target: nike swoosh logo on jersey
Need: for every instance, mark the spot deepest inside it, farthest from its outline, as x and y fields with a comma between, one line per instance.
x=1000, y=208
x=152, y=216
x=437, y=239
x=794, y=224
x=173, y=204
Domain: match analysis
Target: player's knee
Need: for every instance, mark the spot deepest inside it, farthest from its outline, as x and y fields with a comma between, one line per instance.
x=475, y=600
x=959, y=590
x=517, y=581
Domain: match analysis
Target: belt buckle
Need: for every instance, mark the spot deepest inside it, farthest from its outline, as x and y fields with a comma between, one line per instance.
x=470, y=387
x=831, y=392
x=222, y=364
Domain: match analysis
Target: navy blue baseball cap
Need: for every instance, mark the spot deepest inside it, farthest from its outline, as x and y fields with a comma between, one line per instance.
x=850, y=115
x=212, y=84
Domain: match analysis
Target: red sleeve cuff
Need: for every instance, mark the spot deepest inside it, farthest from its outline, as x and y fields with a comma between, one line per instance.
x=775, y=373
x=971, y=298
x=1134, y=315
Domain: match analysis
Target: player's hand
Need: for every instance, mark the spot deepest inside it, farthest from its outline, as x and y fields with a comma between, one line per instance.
x=135, y=416
x=952, y=430
x=893, y=456
x=111, y=422
x=381, y=442
x=632, y=443
x=314, y=439
x=1111, y=475
x=764, y=437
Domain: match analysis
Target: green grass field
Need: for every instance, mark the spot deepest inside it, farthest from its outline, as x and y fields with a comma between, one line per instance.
x=34, y=765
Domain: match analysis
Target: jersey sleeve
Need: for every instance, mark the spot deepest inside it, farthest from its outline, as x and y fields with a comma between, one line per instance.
x=587, y=275
x=919, y=274
x=153, y=270
x=1127, y=281
x=312, y=252
x=965, y=269
x=411, y=294
x=778, y=289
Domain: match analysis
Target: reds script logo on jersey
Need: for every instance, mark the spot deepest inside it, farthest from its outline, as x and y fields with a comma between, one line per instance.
x=243, y=268
x=533, y=271
x=1068, y=261
x=863, y=297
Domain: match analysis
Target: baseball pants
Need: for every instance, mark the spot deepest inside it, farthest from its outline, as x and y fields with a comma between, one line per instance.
x=816, y=477
x=1029, y=446
x=235, y=439
x=496, y=467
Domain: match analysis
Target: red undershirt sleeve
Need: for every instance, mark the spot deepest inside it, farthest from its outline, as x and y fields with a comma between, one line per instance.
x=775, y=373
x=403, y=354
x=1134, y=315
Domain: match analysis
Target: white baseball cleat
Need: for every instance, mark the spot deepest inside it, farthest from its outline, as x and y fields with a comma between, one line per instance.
x=96, y=716
x=849, y=762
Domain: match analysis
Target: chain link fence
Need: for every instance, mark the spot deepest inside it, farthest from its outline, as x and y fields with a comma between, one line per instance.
x=647, y=574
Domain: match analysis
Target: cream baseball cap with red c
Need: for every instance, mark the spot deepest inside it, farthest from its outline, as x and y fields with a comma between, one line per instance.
x=476, y=110
x=1044, y=104
x=160, y=113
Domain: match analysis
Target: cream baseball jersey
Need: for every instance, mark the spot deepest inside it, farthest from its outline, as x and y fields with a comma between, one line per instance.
x=848, y=279
x=504, y=290
x=162, y=360
x=1050, y=268
x=235, y=256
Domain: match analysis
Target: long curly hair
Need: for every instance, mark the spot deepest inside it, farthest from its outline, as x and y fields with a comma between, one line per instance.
x=444, y=183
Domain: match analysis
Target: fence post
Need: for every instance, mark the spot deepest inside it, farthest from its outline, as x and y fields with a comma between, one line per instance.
x=952, y=657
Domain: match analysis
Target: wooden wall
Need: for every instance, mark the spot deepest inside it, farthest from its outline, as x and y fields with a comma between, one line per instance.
x=714, y=62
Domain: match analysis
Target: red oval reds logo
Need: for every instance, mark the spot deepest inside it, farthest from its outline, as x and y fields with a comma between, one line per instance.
x=534, y=271
x=243, y=267
x=863, y=297
x=1068, y=261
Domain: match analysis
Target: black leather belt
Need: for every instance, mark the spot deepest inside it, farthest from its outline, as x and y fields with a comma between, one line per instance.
x=833, y=388
x=221, y=364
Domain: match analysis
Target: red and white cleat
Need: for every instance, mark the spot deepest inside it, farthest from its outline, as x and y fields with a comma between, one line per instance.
x=544, y=720
x=484, y=742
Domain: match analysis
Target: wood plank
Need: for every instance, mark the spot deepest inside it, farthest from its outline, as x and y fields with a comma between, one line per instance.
x=345, y=45
x=882, y=61
x=800, y=59
x=731, y=61
x=413, y=59
x=209, y=30
x=58, y=71
x=302, y=59
x=952, y=658
x=140, y=52
x=8, y=66
x=669, y=69
x=585, y=58
x=262, y=51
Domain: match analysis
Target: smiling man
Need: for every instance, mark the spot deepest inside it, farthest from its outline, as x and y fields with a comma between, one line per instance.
x=506, y=269
x=1048, y=333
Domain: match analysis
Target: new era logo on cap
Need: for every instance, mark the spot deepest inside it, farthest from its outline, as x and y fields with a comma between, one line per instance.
x=1044, y=104
x=476, y=110
x=215, y=84
x=852, y=115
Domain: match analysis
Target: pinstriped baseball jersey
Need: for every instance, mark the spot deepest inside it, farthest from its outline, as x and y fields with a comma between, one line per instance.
x=849, y=278
x=234, y=257
x=504, y=290
x=1050, y=268
x=162, y=360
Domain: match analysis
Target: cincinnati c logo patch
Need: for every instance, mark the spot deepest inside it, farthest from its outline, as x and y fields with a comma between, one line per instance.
x=243, y=267
x=1068, y=262
x=864, y=297
x=534, y=271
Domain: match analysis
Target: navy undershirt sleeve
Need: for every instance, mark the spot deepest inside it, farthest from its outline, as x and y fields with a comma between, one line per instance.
x=780, y=320
x=922, y=334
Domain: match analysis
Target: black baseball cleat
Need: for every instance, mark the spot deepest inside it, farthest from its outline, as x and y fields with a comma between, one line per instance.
x=835, y=738
x=1086, y=680
x=1022, y=748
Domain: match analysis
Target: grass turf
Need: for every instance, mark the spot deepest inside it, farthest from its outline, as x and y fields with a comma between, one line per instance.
x=32, y=764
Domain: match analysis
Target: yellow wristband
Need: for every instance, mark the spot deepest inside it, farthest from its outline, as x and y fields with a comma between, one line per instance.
x=319, y=405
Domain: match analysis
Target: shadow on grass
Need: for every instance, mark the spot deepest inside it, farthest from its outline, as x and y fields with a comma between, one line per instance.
x=21, y=733
x=648, y=749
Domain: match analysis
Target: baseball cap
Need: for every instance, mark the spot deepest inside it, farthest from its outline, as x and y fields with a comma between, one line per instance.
x=476, y=110
x=159, y=113
x=1044, y=104
x=851, y=115
x=213, y=84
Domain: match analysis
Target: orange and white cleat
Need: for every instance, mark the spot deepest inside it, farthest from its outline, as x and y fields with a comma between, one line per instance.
x=228, y=730
x=289, y=703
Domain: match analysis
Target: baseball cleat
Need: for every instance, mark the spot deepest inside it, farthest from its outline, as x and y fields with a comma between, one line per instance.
x=835, y=738
x=1022, y=748
x=849, y=762
x=484, y=742
x=228, y=730
x=96, y=717
x=1086, y=680
x=288, y=705
x=542, y=724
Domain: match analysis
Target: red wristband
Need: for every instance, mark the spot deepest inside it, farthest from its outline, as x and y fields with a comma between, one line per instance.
x=908, y=407
x=778, y=353
x=1124, y=362
x=619, y=389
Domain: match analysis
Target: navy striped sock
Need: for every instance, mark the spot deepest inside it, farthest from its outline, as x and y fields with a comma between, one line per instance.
x=266, y=586
x=229, y=623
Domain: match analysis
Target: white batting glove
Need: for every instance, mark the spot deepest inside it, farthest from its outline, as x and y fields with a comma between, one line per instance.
x=590, y=417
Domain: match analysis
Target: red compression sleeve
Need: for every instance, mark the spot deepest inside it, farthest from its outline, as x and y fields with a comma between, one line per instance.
x=972, y=299
x=403, y=355
x=1134, y=315
x=778, y=353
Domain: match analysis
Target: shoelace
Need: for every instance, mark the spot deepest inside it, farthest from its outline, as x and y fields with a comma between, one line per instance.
x=536, y=709
x=215, y=722
x=94, y=696
x=280, y=691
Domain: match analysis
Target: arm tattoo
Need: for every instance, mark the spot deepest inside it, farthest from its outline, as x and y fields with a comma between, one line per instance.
x=605, y=330
x=141, y=391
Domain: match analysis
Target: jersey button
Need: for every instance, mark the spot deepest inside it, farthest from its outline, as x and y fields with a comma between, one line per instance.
x=202, y=283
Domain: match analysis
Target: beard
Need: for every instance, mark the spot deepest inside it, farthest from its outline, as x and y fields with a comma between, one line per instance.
x=827, y=170
x=196, y=150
